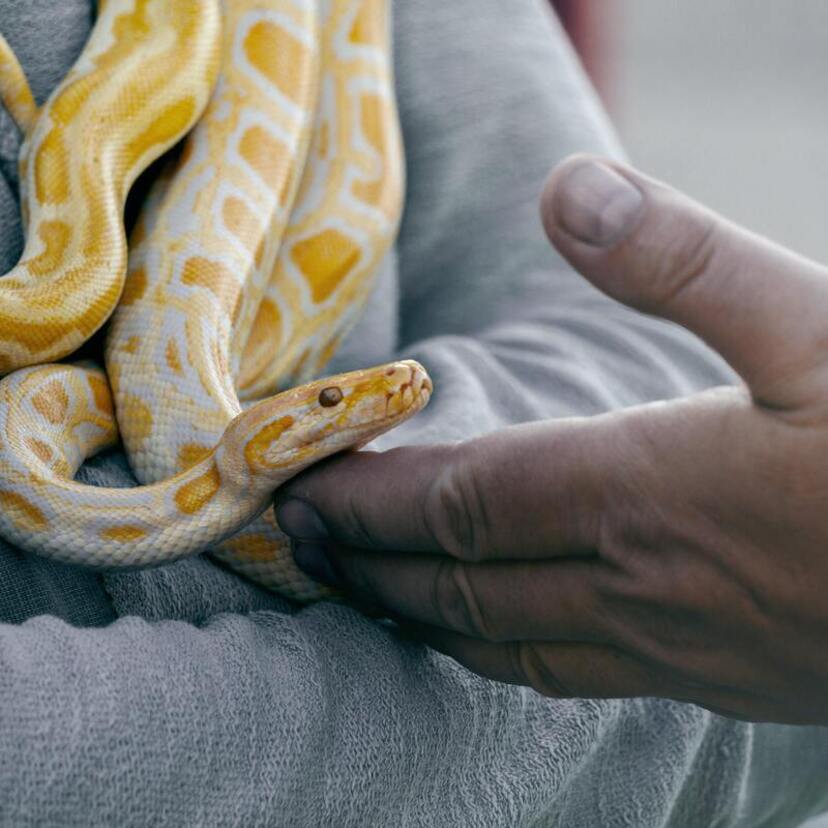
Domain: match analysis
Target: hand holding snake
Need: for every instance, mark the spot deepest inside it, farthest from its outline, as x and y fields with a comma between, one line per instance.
x=675, y=549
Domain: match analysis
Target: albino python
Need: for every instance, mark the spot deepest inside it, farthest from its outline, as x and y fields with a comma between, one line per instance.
x=251, y=258
x=131, y=95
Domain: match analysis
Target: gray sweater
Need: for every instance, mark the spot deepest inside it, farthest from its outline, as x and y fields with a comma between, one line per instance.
x=186, y=696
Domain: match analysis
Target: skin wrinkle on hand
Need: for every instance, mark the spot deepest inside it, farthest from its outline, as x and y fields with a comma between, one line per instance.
x=646, y=555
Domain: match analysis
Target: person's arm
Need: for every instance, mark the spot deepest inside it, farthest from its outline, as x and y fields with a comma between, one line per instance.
x=542, y=343
x=324, y=717
x=264, y=719
x=507, y=328
x=673, y=550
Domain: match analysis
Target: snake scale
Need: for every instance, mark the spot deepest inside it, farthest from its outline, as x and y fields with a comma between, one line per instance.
x=251, y=258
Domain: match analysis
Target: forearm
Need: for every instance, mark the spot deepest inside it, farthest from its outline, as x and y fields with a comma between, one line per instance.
x=575, y=362
x=320, y=718
x=508, y=329
x=160, y=724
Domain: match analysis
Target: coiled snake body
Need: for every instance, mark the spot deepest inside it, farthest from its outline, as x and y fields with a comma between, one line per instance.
x=131, y=95
x=250, y=260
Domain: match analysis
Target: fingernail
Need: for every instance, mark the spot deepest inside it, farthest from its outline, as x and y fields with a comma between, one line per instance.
x=300, y=520
x=597, y=205
x=312, y=558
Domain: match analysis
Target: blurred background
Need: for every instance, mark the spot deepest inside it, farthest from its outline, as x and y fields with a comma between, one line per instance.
x=726, y=100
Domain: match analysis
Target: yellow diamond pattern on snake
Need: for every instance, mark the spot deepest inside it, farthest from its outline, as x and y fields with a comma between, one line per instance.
x=253, y=253
x=44, y=510
x=132, y=94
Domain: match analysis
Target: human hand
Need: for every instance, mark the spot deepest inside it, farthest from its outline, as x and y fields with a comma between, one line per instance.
x=677, y=549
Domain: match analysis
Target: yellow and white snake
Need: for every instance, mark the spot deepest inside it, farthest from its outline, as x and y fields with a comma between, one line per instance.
x=251, y=258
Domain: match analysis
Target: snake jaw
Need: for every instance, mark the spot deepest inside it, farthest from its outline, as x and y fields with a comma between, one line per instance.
x=279, y=437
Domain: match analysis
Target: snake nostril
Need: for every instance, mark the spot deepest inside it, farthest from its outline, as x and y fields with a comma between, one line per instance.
x=330, y=396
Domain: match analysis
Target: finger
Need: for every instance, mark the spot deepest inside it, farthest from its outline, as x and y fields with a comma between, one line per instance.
x=560, y=600
x=761, y=306
x=525, y=492
x=560, y=670
x=589, y=671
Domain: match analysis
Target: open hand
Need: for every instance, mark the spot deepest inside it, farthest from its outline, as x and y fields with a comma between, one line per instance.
x=678, y=549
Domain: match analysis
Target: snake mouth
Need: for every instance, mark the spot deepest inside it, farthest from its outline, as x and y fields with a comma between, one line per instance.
x=408, y=399
x=421, y=384
x=419, y=381
x=315, y=438
x=411, y=395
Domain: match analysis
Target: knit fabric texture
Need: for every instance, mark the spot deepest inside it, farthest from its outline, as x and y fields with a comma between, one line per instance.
x=186, y=696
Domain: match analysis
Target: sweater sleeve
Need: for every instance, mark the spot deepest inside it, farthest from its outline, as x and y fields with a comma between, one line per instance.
x=509, y=331
x=323, y=717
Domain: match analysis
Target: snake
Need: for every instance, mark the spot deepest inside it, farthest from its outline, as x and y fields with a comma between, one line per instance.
x=251, y=258
x=45, y=511
x=130, y=96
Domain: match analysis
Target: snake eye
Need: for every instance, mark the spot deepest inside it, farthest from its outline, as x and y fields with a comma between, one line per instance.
x=331, y=396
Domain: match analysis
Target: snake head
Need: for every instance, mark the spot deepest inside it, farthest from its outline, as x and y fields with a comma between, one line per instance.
x=280, y=436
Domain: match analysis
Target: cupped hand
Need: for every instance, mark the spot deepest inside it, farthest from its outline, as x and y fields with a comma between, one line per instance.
x=677, y=549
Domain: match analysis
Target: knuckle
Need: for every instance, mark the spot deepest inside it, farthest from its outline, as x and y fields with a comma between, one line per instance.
x=640, y=595
x=455, y=510
x=688, y=258
x=352, y=525
x=456, y=602
x=675, y=249
x=533, y=670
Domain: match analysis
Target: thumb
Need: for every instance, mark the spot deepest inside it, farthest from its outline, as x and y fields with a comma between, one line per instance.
x=762, y=307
